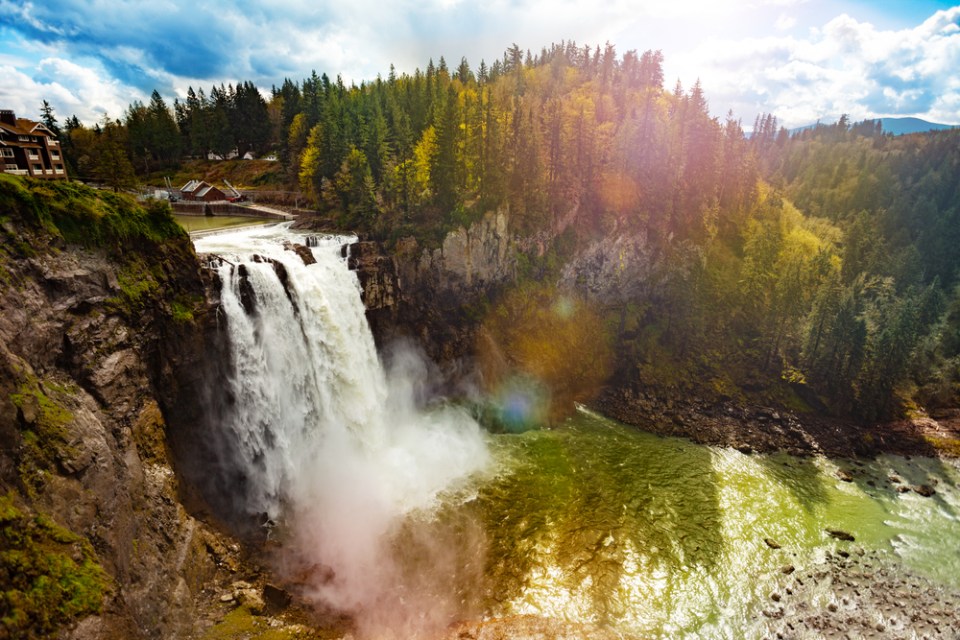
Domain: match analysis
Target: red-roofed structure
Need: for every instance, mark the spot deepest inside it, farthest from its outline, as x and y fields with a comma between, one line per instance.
x=200, y=191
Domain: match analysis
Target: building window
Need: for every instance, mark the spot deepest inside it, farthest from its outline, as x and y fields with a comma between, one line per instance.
x=55, y=155
x=37, y=168
x=12, y=167
x=7, y=152
x=23, y=138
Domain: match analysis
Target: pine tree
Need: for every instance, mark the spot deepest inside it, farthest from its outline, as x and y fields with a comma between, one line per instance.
x=251, y=120
x=112, y=166
x=443, y=165
x=221, y=135
x=164, y=135
x=351, y=194
x=49, y=120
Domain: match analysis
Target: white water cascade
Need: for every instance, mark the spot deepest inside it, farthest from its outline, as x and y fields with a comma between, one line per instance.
x=331, y=446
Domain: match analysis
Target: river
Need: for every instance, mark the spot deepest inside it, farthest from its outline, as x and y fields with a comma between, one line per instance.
x=410, y=517
x=660, y=537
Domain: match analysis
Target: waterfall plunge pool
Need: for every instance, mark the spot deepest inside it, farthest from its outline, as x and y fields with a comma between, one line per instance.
x=659, y=537
x=419, y=520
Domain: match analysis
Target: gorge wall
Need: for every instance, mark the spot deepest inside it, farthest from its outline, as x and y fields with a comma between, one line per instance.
x=101, y=316
x=436, y=296
x=457, y=302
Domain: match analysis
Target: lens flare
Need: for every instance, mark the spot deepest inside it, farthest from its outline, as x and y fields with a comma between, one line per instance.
x=522, y=404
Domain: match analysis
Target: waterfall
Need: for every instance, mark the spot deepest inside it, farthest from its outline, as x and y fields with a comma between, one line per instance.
x=330, y=445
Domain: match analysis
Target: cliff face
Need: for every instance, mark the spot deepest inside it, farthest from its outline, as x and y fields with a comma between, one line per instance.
x=440, y=297
x=92, y=344
x=436, y=296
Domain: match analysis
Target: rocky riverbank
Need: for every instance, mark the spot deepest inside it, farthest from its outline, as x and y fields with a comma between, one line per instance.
x=766, y=429
x=853, y=593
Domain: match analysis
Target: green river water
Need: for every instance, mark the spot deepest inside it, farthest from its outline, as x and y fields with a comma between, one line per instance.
x=658, y=537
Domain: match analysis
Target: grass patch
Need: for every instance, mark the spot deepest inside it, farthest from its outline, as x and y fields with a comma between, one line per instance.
x=946, y=446
x=137, y=284
x=49, y=576
x=84, y=216
x=241, y=623
x=184, y=308
x=180, y=312
x=243, y=174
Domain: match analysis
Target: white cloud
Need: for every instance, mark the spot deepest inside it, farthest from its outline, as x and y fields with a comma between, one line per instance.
x=10, y=60
x=843, y=66
x=70, y=88
x=24, y=12
x=20, y=92
x=847, y=66
x=785, y=22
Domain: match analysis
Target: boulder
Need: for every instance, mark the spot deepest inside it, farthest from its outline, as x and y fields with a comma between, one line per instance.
x=841, y=535
x=924, y=490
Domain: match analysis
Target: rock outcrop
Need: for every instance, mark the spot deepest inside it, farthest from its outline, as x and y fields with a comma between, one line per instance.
x=613, y=271
x=92, y=358
x=434, y=296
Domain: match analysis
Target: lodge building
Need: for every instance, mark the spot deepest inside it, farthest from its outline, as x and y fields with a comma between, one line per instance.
x=28, y=148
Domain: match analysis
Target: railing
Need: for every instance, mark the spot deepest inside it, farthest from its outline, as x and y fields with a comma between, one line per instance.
x=17, y=172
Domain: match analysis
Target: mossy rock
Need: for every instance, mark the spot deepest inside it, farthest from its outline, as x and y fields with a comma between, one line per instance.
x=149, y=435
x=44, y=421
x=241, y=622
x=49, y=576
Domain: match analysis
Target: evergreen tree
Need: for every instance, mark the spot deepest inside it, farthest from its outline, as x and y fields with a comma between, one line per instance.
x=443, y=164
x=164, y=134
x=251, y=121
x=111, y=165
x=351, y=192
x=220, y=134
x=49, y=120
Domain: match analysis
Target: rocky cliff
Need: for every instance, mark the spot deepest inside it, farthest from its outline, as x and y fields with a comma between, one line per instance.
x=99, y=313
x=436, y=296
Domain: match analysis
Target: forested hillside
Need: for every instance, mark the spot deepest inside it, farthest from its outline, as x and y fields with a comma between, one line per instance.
x=816, y=271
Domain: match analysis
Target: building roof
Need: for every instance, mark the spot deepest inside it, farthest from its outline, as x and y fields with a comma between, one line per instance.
x=199, y=188
x=191, y=186
x=25, y=127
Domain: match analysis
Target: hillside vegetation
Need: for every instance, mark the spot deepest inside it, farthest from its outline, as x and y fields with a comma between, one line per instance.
x=813, y=271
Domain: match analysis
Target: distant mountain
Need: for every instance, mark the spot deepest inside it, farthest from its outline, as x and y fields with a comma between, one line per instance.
x=899, y=126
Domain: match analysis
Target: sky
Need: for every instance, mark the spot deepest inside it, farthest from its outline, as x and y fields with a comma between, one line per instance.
x=801, y=60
